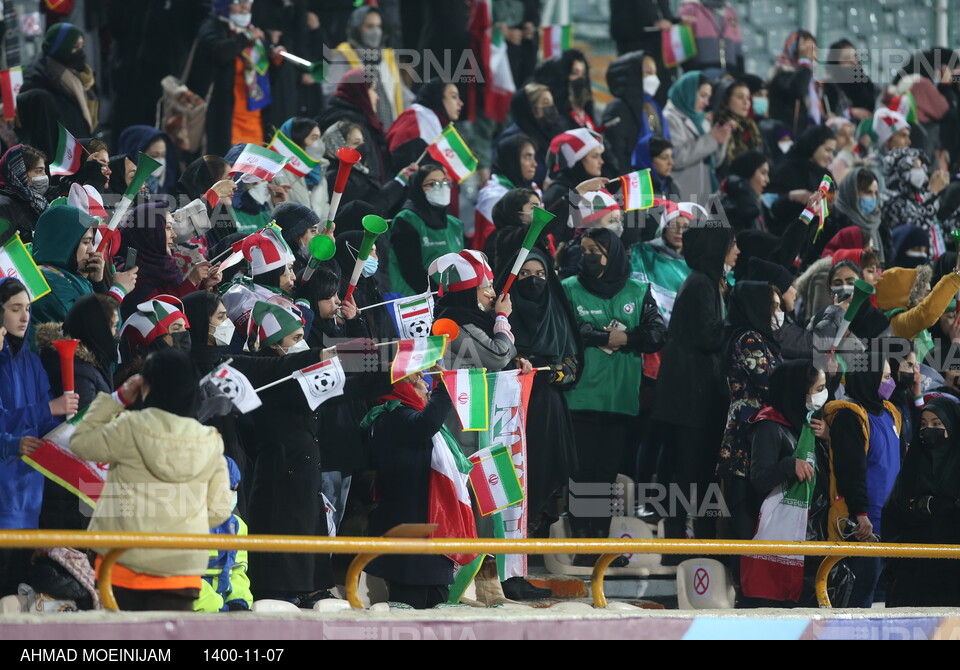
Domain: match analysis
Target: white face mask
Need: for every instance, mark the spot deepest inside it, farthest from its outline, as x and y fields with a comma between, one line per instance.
x=651, y=84
x=260, y=192
x=161, y=168
x=236, y=499
x=918, y=177
x=777, y=320
x=785, y=146
x=315, y=149
x=298, y=347
x=817, y=401
x=727, y=269
x=439, y=197
x=223, y=334
x=241, y=20
x=372, y=38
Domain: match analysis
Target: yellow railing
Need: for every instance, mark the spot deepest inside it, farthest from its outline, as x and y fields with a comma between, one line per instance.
x=410, y=539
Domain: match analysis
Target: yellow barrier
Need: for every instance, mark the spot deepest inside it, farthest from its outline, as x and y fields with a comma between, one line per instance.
x=407, y=539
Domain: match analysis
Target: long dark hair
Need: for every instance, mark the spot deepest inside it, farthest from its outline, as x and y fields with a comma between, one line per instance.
x=173, y=388
x=8, y=288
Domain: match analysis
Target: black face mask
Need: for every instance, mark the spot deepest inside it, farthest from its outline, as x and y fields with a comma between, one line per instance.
x=77, y=61
x=551, y=122
x=580, y=90
x=932, y=438
x=92, y=173
x=592, y=265
x=904, y=380
x=181, y=341
x=532, y=288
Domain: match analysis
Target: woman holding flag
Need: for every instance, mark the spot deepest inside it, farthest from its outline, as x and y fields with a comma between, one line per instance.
x=575, y=163
x=309, y=189
x=797, y=178
x=23, y=183
x=28, y=412
x=356, y=101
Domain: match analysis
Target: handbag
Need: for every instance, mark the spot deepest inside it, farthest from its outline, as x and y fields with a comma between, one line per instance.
x=181, y=113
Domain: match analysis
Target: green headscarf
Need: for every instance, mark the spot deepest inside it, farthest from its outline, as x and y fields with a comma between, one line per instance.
x=683, y=95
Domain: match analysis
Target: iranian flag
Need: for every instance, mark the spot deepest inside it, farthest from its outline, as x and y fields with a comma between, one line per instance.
x=637, y=190
x=298, y=162
x=10, y=82
x=494, y=479
x=499, y=86
x=54, y=459
x=448, y=503
x=452, y=152
x=414, y=315
x=69, y=154
x=16, y=262
x=469, y=393
x=509, y=396
x=259, y=162
x=783, y=518
x=556, y=40
x=679, y=45
x=416, y=355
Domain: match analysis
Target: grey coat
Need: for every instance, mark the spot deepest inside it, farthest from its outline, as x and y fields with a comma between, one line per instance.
x=691, y=155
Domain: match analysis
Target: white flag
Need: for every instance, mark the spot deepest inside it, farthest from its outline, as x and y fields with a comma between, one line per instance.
x=237, y=387
x=321, y=382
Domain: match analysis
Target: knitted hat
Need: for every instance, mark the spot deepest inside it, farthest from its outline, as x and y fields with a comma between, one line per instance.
x=60, y=40
x=266, y=250
x=674, y=210
x=852, y=255
x=772, y=273
x=274, y=322
x=595, y=205
x=569, y=148
x=886, y=123
x=152, y=319
x=459, y=272
x=294, y=219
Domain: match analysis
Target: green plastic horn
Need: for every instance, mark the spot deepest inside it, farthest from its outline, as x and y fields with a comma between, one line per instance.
x=861, y=292
x=322, y=248
x=373, y=227
x=541, y=218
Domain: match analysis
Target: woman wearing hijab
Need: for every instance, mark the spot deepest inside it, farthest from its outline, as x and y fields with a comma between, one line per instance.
x=377, y=321
x=923, y=508
x=355, y=101
x=568, y=76
x=857, y=205
x=655, y=153
x=151, y=234
x=660, y=262
x=751, y=355
x=698, y=149
x=122, y=168
x=797, y=388
x=190, y=469
x=913, y=195
x=547, y=334
x=207, y=189
x=309, y=190
x=423, y=231
x=619, y=321
x=637, y=114
x=406, y=429
x=692, y=397
x=23, y=183
x=797, y=178
x=252, y=201
x=512, y=216
x=575, y=163
x=29, y=412
x=534, y=114
x=437, y=105
x=865, y=448
x=157, y=145
x=741, y=192
x=515, y=167
x=796, y=98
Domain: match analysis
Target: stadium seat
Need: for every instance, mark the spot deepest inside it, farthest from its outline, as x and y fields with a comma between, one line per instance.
x=274, y=606
x=702, y=584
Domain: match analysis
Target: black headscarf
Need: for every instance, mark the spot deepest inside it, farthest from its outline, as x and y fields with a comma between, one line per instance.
x=197, y=178
x=617, y=270
x=463, y=308
x=430, y=95
x=118, y=175
x=521, y=111
x=86, y=322
x=862, y=382
x=543, y=326
x=750, y=311
x=148, y=235
x=90, y=173
x=173, y=388
x=705, y=248
x=809, y=141
x=198, y=308
x=508, y=159
x=434, y=217
x=934, y=471
x=789, y=385
x=346, y=258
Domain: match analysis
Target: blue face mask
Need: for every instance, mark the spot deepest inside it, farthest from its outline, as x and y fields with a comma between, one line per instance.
x=868, y=205
x=761, y=106
x=370, y=267
x=153, y=184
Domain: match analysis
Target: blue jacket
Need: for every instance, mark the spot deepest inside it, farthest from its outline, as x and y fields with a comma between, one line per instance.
x=24, y=411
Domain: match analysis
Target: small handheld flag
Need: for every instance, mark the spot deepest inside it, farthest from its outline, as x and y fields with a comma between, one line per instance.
x=637, y=190
x=69, y=154
x=453, y=153
x=541, y=218
x=321, y=382
x=826, y=185
x=298, y=162
x=145, y=166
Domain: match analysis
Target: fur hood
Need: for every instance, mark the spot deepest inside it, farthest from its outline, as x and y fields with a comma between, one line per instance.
x=48, y=333
x=816, y=272
x=902, y=288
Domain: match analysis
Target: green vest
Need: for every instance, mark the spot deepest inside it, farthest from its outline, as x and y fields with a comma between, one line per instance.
x=249, y=223
x=610, y=382
x=433, y=244
x=665, y=275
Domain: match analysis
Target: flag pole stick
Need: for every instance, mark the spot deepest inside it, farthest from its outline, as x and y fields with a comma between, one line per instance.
x=387, y=302
x=439, y=137
x=543, y=369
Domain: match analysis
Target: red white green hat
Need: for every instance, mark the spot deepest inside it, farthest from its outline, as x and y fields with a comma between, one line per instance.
x=274, y=322
x=87, y=199
x=459, y=272
x=674, y=210
x=888, y=122
x=266, y=250
x=595, y=205
x=152, y=319
x=569, y=148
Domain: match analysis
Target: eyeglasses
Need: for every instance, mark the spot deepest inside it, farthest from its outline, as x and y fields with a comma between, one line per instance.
x=436, y=184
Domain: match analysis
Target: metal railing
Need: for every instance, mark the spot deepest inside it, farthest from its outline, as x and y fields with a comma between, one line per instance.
x=411, y=539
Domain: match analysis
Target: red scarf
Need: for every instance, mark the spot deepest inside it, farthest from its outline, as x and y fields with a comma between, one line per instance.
x=407, y=395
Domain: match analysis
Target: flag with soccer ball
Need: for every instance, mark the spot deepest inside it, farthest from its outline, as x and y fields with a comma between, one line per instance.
x=321, y=382
x=235, y=386
x=414, y=316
